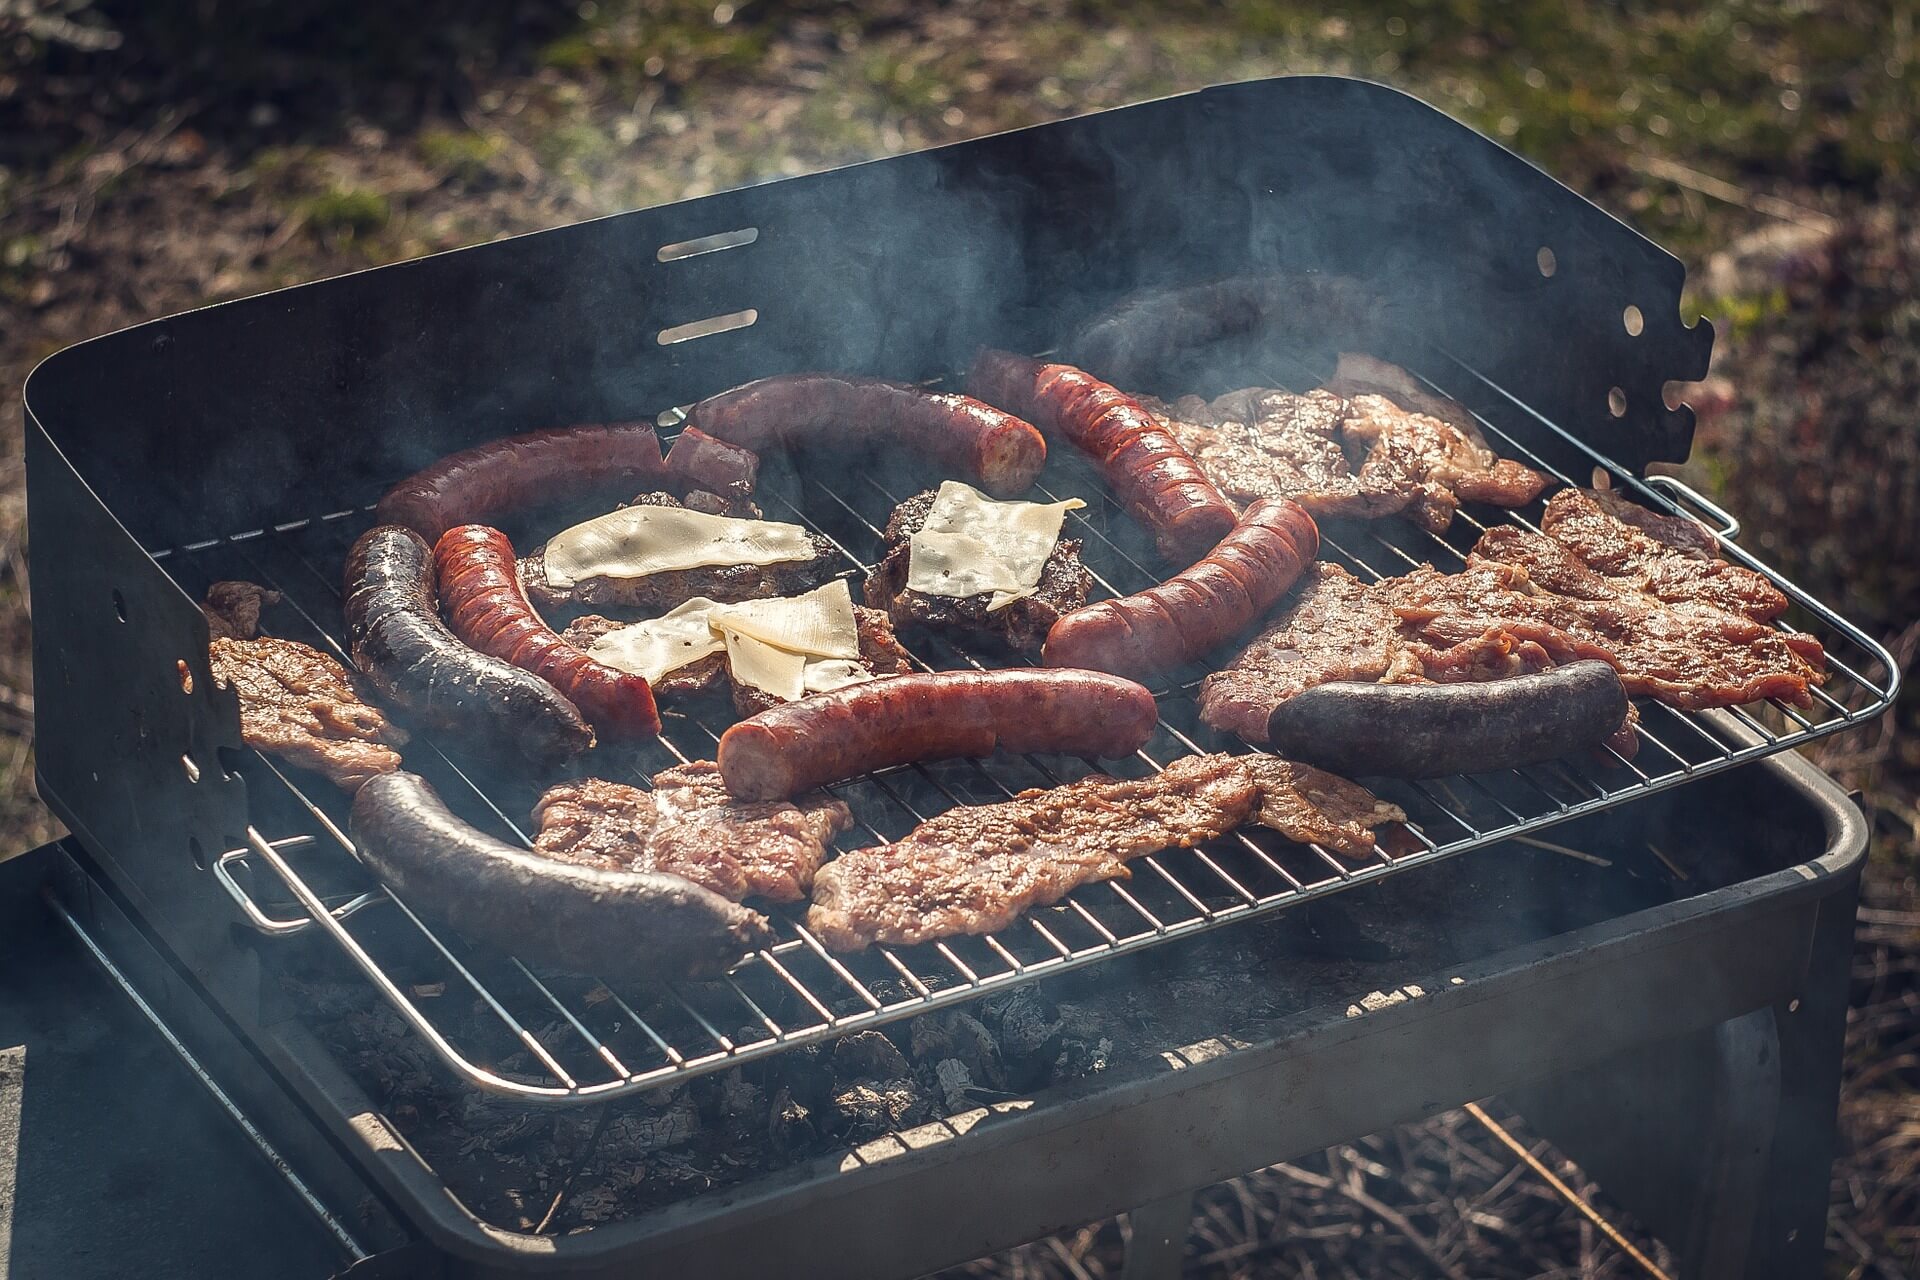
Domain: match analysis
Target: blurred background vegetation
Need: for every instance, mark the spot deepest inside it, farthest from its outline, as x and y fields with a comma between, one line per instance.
x=159, y=156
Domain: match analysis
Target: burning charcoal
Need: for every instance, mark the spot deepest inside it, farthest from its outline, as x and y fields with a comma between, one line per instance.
x=1028, y=1023
x=805, y=1072
x=633, y=1134
x=1079, y=1059
x=739, y=1097
x=954, y=1080
x=959, y=1035
x=870, y=1055
x=789, y=1125
x=499, y=1125
x=873, y=1107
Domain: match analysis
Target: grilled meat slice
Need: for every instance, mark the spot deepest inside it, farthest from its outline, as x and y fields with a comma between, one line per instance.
x=660, y=592
x=1666, y=557
x=1334, y=627
x=1316, y=807
x=880, y=652
x=1439, y=465
x=233, y=608
x=1690, y=656
x=1020, y=627
x=1261, y=442
x=975, y=869
x=689, y=826
x=306, y=708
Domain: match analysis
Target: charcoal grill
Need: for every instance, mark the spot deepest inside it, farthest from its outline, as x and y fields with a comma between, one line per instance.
x=249, y=440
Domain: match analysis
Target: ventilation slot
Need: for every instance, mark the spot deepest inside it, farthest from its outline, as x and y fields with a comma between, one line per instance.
x=708, y=327
x=707, y=244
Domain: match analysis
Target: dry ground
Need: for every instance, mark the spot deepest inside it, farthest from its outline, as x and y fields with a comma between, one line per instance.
x=154, y=158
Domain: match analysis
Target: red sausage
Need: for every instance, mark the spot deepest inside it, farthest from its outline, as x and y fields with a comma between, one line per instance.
x=480, y=590
x=999, y=452
x=899, y=719
x=1151, y=474
x=698, y=461
x=1195, y=611
x=483, y=484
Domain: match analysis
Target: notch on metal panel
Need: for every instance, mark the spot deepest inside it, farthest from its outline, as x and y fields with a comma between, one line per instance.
x=707, y=244
x=708, y=327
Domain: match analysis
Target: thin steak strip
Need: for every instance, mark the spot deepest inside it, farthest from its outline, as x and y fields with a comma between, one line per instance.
x=976, y=869
x=689, y=826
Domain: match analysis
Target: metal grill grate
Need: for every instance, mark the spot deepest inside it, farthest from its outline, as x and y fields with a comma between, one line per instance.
x=563, y=1038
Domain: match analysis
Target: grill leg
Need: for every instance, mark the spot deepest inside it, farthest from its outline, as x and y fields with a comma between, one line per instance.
x=1721, y=1142
x=1159, y=1238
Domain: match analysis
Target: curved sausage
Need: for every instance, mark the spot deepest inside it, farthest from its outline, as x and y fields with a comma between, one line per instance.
x=900, y=719
x=480, y=590
x=1427, y=730
x=396, y=638
x=1198, y=609
x=1148, y=469
x=698, y=461
x=633, y=926
x=999, y=452
x=490, y=481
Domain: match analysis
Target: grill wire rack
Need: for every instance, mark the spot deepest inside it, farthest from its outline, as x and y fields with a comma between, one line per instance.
x=552, y=1038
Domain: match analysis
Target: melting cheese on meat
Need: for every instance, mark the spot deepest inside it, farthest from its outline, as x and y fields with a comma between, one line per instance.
x=635, y=542
x=789, y=646
x=971, y=545
x=659, y=645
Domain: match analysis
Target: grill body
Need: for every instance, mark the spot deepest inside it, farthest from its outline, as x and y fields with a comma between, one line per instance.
x=260, y=423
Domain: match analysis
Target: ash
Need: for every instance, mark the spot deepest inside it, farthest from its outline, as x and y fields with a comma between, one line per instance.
x=570, y=1169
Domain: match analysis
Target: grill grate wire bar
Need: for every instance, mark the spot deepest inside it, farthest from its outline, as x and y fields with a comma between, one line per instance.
x=550, y=1040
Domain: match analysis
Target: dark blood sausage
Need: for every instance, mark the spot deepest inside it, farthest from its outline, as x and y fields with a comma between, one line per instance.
x=1427, y=730
x=1150, y=472
x=480, y=590
x=633, y=926
x=698, y=461
x=398, y=642
x=1197, y=610
x=899, y=719
x=968, y=439
x=490, y=481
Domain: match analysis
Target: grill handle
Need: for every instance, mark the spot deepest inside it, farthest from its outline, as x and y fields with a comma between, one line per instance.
x=1688, y=496
x=273, y=926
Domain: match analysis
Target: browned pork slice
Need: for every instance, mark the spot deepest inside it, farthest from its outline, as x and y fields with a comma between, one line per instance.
x=1261, y=442
x=975, y=869
x=1316, y=807
x=688, y=825
x=306, y=708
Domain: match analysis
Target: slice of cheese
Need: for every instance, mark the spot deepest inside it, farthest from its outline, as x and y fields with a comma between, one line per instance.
x=971, y=545
x=659, y=645
x=789, y=646
x=771, y=644
x=820, y=622
x=780, y=672
x=635, y=542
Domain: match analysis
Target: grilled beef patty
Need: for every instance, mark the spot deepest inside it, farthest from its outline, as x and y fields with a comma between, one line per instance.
x=659, y=592
x=880, y=653
x=1020, y=627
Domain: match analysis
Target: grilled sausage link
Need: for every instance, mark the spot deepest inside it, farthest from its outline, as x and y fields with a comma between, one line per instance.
x=1198, y=609
x=480, y=590
x=899, y=719
x=488, y=482
x=1427, y=730
x=632, y=926
x=396, y=638
x=1150, y=472
x=993, y=448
